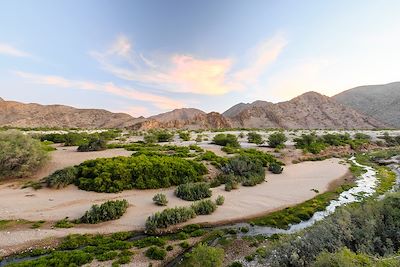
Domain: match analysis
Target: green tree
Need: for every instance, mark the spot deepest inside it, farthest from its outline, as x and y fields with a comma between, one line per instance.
x=20, y=155
x=277, y=139
x=226, y=140
x=255, y=138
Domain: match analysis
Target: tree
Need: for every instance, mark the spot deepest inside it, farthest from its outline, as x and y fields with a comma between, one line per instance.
x=255, y=138
x=20, y=155
x=204, y=256
x=277, y=139
x=94, y=144
x=226, y=140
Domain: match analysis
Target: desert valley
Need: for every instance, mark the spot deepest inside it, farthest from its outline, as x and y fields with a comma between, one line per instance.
x=170, y=133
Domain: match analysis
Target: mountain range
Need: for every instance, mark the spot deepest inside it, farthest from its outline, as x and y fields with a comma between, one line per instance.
x=365, y=107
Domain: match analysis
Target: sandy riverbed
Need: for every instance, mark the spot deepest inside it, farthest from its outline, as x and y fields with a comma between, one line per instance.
x=291, y=187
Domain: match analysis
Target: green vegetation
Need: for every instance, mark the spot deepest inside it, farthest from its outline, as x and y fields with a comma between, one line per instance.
x=193, y=191
x=256, y=138
x=110, y=210
x=229, y=140
x=247, y=170
x=203, y=256
x=158, y=136
x=156, y=253
x=275, y=168
x=94, y=144
x=61, y=178
x=277, y=140
x=220, y=200
x=169, y=217
x=204, y=207
x=391, y=140
x=79, y=138
x=185, y=136
x=64, y=223
x=213, y=158
x=301, y=212
x=345, y=257
x=20, y=155
x=142, y=172
x=315, y=144
x=367, y=228
x=160, y=199
x=78, y=250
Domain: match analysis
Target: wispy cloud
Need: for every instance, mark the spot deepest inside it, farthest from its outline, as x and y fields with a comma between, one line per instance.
x=187, y=73
x=161, y=102
x=7, y=49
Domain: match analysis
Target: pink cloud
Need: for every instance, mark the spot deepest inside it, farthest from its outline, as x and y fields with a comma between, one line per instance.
x=161, y=102
x=10, y=50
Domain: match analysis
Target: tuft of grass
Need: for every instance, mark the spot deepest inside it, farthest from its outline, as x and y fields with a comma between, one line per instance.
x=64, y=223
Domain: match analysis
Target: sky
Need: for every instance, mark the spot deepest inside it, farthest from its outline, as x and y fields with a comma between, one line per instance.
x=144, y=57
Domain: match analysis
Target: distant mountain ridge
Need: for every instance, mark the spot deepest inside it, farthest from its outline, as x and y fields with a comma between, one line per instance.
x=311, y=110
x=381, y=102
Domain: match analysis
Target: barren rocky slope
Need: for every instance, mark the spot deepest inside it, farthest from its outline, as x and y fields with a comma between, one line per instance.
x=34, y=115
x=379, y=101
x=310, y=111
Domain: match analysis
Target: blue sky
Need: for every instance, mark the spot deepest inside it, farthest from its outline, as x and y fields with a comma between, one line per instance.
x=146, y=57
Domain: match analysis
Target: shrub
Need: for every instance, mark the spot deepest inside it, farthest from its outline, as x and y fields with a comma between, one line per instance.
x=156, y=253
x=184, y=245
x=93, y=145
x=149, y=241
x=169, y=217
x=150, y=138
x=160, y=199
x=204, y=207
x=275, y=168
x=249, y=171
x=220, y=200
x=255, y=138
x=204, y=256
x=64, y=223
x=185, y=136
x=20, y=155
x=193, y=191
x=143, y=172
x=226, y=140
x=110, y=210
x=277, y=139
x=61, y=178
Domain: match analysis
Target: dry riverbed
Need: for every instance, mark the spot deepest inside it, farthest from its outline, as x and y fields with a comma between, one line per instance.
x=293, y=186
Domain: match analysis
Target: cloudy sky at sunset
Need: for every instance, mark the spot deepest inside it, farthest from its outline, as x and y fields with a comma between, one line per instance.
x=144, y=57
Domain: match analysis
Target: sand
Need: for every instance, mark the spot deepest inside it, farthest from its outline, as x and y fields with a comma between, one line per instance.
x=291, y=187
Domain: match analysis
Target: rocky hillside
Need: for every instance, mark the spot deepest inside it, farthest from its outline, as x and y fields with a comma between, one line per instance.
x=309, y=111
x=18, y=114
x=379, y=101
x=184, y=119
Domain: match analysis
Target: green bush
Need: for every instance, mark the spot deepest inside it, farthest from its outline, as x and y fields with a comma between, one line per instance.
x=277, y=139
x=64, y=223
x=204, y=207
x=203, y=256
x=255, y=138
x=110, y=210
x=275, y=168
x=20, y=155
x=248, y=170
x=160, y=199
x=220, y=200
x=226, y=140
x=156, y=253
x=93, y=145
x=61, y=178
x=169, y=217
x=185, y=136
x=158, y=136
x=193, y=191
x=143, y=172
